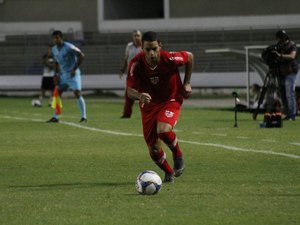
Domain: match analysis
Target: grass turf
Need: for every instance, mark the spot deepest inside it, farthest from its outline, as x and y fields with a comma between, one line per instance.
x=65, y=174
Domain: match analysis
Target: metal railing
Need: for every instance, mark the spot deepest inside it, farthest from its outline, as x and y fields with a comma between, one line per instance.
x=22, y=54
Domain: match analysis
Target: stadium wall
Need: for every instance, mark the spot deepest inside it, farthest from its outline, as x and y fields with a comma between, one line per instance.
x=202, y=15
x=217, y=8
x=174, y=15
x=50, y=11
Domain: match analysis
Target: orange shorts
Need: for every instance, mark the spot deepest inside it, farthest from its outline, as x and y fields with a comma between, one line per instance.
x=166, y=113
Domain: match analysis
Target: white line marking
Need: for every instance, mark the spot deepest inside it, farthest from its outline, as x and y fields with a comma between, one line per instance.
x=232, y=148
x=220, y=135
x=226, y=147
x=101, y=130
x=242, y=137
x=79, y=126
x=196, y=132
x=268, y=140
x=294, y=143
x=177, y=130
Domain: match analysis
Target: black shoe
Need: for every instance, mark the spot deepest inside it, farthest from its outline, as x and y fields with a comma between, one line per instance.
x=169, y=178
x=125, y=117
x=83, y=120
x=53, y=120
x=178, y=166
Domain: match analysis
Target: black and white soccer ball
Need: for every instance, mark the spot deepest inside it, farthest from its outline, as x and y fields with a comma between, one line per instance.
x=148, y=182
x=36, y=103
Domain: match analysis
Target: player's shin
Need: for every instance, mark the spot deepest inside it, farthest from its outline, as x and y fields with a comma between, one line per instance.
x=82, y=107
x=170, y=139
x=159, y=157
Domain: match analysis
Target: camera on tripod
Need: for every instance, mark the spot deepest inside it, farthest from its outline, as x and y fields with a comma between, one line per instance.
x=270, y=57
x=271, y=88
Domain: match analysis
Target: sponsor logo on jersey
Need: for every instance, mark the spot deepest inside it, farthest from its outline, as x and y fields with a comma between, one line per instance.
x=169, y=114
x=176, y=58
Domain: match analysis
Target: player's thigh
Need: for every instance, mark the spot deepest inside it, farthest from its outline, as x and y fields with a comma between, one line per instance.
x=75, y=83
x=169, y=114
x=149, y=121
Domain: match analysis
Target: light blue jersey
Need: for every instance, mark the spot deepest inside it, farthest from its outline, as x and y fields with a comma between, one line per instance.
x=66, y=57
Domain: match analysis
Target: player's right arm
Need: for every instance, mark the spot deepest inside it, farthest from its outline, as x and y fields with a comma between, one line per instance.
x=187, y=89
x=133, y=83
x=141, y=96
x=124, y=66
x=124, y=63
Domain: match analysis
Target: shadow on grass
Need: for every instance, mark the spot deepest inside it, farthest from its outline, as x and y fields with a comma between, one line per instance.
x=70, y=185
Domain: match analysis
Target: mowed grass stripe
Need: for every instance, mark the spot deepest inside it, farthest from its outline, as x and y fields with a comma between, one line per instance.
x=221, y=146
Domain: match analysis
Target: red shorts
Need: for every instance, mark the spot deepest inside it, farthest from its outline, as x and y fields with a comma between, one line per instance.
x=166, y=113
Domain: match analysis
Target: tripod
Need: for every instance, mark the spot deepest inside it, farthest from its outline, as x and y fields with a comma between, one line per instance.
x=235, y=95
x=272, y=88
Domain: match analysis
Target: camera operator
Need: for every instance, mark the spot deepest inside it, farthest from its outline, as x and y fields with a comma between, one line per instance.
x=286, y=52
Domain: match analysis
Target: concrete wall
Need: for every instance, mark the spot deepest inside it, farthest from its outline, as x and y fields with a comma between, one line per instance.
x=51, y=10
x=212, y=8
x=200, y=14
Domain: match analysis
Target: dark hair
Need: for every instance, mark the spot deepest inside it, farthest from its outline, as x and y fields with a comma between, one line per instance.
x=57, y=33
x=282, y=35
x=136, y=31
x=150, y=36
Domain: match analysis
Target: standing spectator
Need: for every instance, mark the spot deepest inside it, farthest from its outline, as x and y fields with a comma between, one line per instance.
x=154, y=79
x=288, y=69
x=48, y=74
x=68, y=59
x=132, y=49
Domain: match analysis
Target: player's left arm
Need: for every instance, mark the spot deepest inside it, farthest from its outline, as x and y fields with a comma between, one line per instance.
x=80, y=58
x=187, y=88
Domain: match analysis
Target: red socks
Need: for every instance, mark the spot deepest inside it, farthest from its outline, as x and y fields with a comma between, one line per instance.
x=160, y=159
x=169, y=138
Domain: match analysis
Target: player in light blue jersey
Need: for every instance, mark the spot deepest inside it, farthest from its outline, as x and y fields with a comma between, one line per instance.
x=68, y=59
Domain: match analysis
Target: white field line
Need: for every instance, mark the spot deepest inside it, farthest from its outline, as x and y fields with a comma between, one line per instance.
x=220, y=135
x=101, y=130
x=232, y=148
x=294, y=143
x=242, y=137
x=269, y=140
x=226, y=147
x=78, y=126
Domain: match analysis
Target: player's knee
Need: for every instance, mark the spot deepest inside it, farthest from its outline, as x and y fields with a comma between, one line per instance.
x=168, y=138
x=163, y=128
x=77, y=94
x=154, y=149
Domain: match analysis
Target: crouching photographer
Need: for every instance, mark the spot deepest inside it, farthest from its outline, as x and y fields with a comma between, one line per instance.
x=286, y=53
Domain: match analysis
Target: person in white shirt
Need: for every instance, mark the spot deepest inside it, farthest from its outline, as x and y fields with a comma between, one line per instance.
x=48, y=74
x=132, y=49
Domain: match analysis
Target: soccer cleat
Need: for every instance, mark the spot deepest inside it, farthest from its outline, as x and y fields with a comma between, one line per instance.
x=53, y=120
x=169, y=178
x=178, y=166
x=83, y=120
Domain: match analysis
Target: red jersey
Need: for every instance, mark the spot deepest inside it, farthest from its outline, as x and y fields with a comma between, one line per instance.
x=163, y=82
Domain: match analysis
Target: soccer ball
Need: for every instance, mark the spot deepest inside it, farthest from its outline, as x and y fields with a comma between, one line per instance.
x=36, y=103
x=148, y=182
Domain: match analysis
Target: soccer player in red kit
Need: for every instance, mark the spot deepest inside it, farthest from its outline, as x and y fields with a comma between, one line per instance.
x=153, y=78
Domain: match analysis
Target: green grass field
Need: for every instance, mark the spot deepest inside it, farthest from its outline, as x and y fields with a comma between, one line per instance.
x=71, y=173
